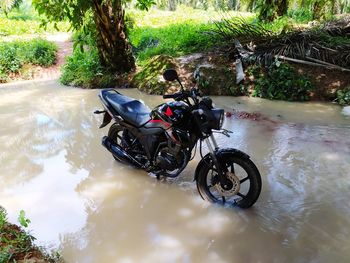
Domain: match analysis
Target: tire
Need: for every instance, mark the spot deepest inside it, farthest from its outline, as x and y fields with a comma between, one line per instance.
x=244, y=171
x=116, y=133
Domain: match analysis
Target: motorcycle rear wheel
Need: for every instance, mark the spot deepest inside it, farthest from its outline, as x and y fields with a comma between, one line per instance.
x=244, y=182
x=117, y=134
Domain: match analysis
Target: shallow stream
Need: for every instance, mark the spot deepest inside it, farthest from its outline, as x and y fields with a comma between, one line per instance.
x=93, y=209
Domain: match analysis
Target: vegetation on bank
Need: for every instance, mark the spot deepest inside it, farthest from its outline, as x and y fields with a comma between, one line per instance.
x=280, y=82
x=16, y=243
x=15, y=55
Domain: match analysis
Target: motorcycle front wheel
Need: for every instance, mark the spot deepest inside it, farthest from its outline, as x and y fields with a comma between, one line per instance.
x=243, y=182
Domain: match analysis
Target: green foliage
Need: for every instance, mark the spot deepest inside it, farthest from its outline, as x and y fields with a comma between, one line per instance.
x=13, y=55
x=343, y=96
x=172, y=40
x=17, y=244
x=41, y=52
x=250, y=29
x=22, y=219
x=300, y=15
x=20, y=27
x=149, y=79
x=280, y=82
x=3, y=217
x=13, y=240
x=173, y=33
x=9, y=60
x=83, y=69
x=7, y=5
x=145, y=4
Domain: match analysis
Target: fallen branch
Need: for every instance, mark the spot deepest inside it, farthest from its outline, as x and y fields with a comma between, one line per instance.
x=328, y=65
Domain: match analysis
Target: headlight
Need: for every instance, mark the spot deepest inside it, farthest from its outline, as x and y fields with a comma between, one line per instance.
x=222, y=119
x=218, y=119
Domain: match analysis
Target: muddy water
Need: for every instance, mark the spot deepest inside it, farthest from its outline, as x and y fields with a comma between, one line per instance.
x=96, y=210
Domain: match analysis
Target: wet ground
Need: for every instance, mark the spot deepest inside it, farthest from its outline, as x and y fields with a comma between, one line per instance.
x=96, y=210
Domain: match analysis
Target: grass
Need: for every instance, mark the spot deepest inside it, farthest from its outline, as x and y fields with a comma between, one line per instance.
x=173, y=40
x=185, y=31
x=19, y=27
x=81, y=68
x=16, y=244
x=13, y=55
x=173, y=33
x=160, y=18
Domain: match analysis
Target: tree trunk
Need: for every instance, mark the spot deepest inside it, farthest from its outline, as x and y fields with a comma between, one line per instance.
x=238, y=5
x=172, y=5
x=267, y=12
x=318, y=9
x=282, y=7
x=231, y=4
x=113, y=46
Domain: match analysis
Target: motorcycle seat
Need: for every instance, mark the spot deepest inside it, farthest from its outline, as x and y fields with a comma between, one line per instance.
x=131, y=110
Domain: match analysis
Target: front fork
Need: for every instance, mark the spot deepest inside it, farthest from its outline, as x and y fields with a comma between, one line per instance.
x=213, y=147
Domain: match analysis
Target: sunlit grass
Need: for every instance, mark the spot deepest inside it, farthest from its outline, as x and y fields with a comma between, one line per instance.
x=174, y=33
x=19, y=27
x=183, y=14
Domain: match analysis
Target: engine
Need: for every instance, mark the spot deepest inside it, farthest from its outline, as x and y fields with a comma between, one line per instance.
x=172, y=159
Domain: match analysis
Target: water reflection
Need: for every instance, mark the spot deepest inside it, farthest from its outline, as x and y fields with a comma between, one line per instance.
x=96, y=210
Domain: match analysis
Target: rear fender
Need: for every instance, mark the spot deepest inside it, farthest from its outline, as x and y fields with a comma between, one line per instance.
x=220, y=154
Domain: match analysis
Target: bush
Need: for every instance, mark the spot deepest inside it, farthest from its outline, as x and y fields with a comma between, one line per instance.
x=343, y=96
x=41, y=52
x=13, y=55
x=280, y=82
x=9, y=60
x=83, y=69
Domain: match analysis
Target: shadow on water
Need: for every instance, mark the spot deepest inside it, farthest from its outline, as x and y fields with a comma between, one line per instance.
x=96, y=210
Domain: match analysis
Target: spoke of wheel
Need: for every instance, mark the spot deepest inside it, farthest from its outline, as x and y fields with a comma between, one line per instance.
x=241, y=195
x=223, y=199
x=243, y=180
x=210, y=186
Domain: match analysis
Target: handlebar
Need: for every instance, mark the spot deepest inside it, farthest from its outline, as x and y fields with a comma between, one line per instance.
x=170, y=96
x=182, y=95
x=176, y=96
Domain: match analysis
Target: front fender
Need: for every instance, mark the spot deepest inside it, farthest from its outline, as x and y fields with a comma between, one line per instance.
x=221, y=153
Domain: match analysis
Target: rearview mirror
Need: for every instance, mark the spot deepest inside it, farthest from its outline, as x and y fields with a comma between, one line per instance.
x=170, y=75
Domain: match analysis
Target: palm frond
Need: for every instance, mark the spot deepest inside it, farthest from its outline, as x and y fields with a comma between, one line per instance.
x=328, y=44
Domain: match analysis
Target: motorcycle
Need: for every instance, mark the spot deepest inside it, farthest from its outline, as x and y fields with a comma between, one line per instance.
x=162, y=141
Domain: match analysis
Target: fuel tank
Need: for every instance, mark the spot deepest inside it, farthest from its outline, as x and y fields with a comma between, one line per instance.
x=174, y=113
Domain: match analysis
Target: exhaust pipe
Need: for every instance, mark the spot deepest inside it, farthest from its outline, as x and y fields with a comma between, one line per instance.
x=119, y=153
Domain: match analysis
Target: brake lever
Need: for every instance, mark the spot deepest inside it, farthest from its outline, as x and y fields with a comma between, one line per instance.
x=99, y=111
x=226, y=132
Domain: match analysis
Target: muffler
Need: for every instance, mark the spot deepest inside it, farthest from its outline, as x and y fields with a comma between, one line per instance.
x=119, y=153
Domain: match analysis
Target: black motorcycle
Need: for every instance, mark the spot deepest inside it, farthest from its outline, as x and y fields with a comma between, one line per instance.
x=161, y=142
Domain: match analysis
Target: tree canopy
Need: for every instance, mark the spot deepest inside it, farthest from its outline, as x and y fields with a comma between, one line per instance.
x=7, y=5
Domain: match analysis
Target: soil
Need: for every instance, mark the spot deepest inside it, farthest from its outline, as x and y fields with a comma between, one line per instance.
x=219, y=70
x=27, y=253
x=326, y=81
